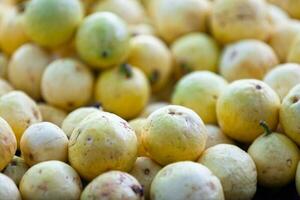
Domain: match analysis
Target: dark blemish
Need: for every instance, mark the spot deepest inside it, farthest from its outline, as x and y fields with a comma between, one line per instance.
x=212, y=186
x=67, y=177
x=70, y=104
x=185, y=69
x=125, y=125
x=215, y=97
x=28, y=121
x=89, y=139
x=146, y=171
x=40, y=171
x=13, y=163
x=30, y=156
x=233, y=54
x=35, y=113
x=172, y=113
x=295, y=99
x=137, y=190
x=104, y=194
x=96, y=105
x=122, y=178
x=43, y=187
x=104, y=54
x=289, y=162
x=78, y=68
x=258, y=87
x=264, y=171
x=5, y=139
x=154, y=76
x=244, y=16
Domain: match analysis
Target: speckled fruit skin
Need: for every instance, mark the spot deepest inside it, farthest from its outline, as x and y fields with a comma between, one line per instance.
x=52, y=114
x=235, y=169
x=16, y=169
x=115, y=185
x=243, y=105
x=8, y=189
x=102, y=142
x=138, y=126
x=186, y=181
x=44, y=181
x=174, y=133
x=231, y=19
x=216, y=136
x=102, y=40
x=200, y=91
x=47, y=24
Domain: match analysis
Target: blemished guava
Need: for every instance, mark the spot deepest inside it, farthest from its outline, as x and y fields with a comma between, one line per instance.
x=77, y=81
x=52, y=114
x=174, y=18
x=241, y=107
x=20, y=112
x=151, y=107
x=200, y=91
x=50, y=180
x=247, y=59
x=43, y=141
x=231, y=20
x=8, y=189
x=123, y=90
x=235, y=169
x=290, y=6
x=102, y=40
x=114, y=185
x=186, y=180
x=5, y=87
x=102, y=142
x=26, y=67
x=195, y=51
x=283, y=78
x=153, y=57
x=144, y=170
x=137, y=125
x=3, y=65
x=276, y=158
x=47, y=24
x=174, y=133
x=16, y=169
x=216, y=136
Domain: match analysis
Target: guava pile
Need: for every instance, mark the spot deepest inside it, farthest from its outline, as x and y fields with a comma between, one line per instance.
x=149, y=99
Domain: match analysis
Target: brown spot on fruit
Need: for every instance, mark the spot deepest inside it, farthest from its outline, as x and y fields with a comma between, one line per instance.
x=212, y=186
x=233, y=54
x=40, y=171
x=295, y=99
x=104, y=54
x=146, y=171
x=258, y=87
x=138, y=190
x=70, y=104
x=43, y=187
x=289, y=162
x=31, y=157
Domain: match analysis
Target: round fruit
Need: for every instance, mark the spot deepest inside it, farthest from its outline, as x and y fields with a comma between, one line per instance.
x=75, y=117
x=8, y=144
x=235, y=169
x=247, y=59
x=231, y=19
x=138, y=126
x=52, y=114
x=186, y=180
x=199, y=91
x=3, y=65
x=290, y=114
x=174, y=18
x=153, y=57
x=102, y=142
x=291, y=6
x=67, y=83
x=144, y=170
x=216, y=136
x=153, y=107
x=16, y=169
x=44, y=141
x=20, y=111
x=8, y=189
x=26, y=68
x=123, y=90
x=243, y=105
x=50, y=180
x=174, y=133
x=47, y=24
x=195, y=51
x=114, y=185
x=276, y=158
x=103, y=40
x=5, y=87
x=283, y=78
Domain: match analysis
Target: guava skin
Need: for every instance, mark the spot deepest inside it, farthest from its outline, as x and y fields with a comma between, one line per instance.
x=16, y=169
x=8, y=189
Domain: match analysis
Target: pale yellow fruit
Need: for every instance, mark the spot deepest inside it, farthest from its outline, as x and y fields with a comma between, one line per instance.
x=186, y=180
x=102, y=142
x=67, y=84
x=114, y=185
x=75, y=117
x=144, y=170
x=5, y=87
x=26, y=68
x=50, y=180
x=216, y=136
x=297, y=179
x=142, y=29
x=8, y=189
x=195, y=51
x=277, y=15
x=174, y=133
x=12, y=34
x=3, y=65
x=294, y=52
x=247, y=59
x=233, y=20
x=8, y=144
x=243, y=105
x=174, y=18
x=153, y=57
x=16, y=169
x=44, y=141
x=138, y=126
x=291, y=6
x=150, y=108
x=130, y=10
x=123, y=90
x=20, y=111
x=235, y=169
x=282, y=38
x=52, y=114
x=283, y=78
x=200, y=91
x=290, y=114
x=276, y=158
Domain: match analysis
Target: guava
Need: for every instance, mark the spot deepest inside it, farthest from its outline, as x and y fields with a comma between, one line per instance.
x=52, y=114
x=16, y=169
x=138, y=126
x=216, y=136
x=5, y=87
x=8, y=189
x=290, y=6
